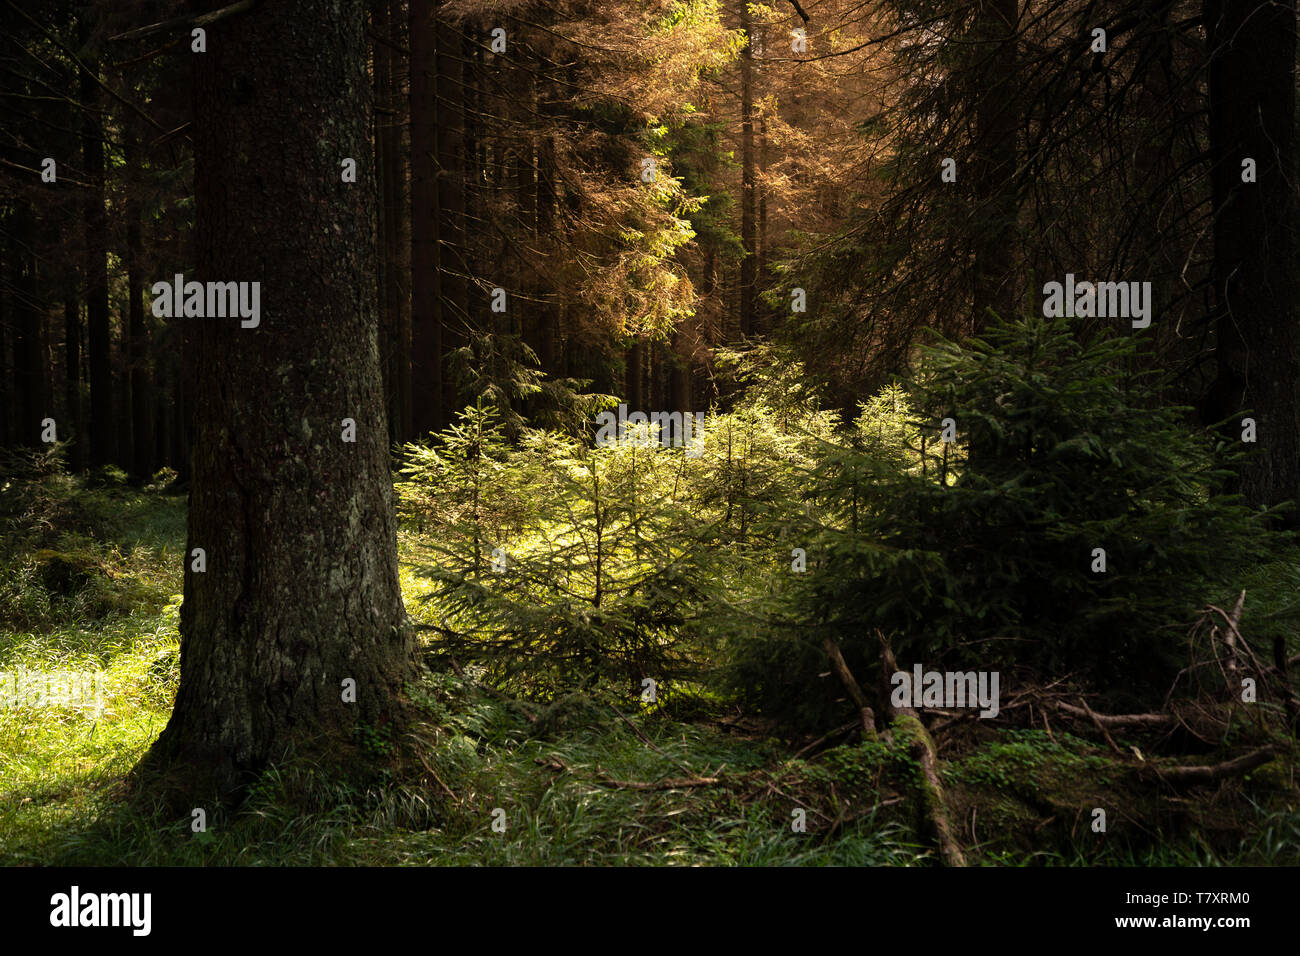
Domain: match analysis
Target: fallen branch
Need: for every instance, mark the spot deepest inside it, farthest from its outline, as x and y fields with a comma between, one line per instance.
x=1153, y=721
x=1194, y=776
x=851, y=685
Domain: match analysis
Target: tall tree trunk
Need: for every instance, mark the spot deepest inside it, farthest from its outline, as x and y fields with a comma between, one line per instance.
x=761, y=248
x=31, y=370
x=163, y=413
x=76, y=424
x=748, y=230
x=183, y=419
x=1252, y=50
x=381, y=76
x=636, y=377
x=455, y=156
x=426, y=217
x=142, y=440
x=400, y=286
x=1160, y=251
x=300, y=594
x=995, y=163
x=394, y=319
x=103, y=420
x=522, y=105
x=547, y=353
x=679, y=378
x=7, y=399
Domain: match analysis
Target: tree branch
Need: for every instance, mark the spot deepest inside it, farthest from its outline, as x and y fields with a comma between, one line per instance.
x=190, y=22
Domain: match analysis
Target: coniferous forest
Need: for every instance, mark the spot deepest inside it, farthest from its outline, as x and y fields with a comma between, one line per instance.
x=653, y=432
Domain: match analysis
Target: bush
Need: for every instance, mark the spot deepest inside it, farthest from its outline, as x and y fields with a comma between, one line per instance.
x=980, y=555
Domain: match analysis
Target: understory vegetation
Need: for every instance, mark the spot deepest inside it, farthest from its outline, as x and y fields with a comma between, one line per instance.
x=630, y=645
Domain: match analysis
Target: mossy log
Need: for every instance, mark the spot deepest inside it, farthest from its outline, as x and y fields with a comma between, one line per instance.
x=921, y=747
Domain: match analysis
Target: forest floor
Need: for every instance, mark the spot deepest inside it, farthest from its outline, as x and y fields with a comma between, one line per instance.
x=95, y=586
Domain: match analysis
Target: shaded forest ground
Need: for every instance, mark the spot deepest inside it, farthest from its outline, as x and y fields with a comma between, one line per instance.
x=689, y=780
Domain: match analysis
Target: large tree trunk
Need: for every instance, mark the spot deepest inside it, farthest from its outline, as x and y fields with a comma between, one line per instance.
x=1252, y=116
x=300, y=592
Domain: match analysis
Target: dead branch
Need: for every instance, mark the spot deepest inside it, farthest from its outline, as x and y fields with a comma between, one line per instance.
x=1194, y=776
x=1151, y=721
x=854, y=689
x=433, y=773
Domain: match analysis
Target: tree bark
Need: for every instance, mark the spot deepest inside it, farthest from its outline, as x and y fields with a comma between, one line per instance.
x=300, y=592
